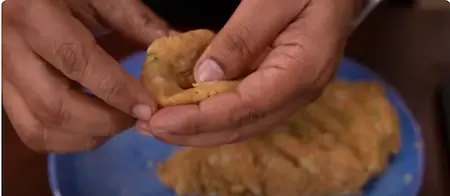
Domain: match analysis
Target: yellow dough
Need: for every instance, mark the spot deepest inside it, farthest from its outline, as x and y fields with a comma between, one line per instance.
x=168, y=69
x=332, y=146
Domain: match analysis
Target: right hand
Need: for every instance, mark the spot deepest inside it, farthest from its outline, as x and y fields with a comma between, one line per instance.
x=49, y=51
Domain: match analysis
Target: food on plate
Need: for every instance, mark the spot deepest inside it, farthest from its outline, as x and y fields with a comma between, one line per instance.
x=332, y=146
x=168, y=69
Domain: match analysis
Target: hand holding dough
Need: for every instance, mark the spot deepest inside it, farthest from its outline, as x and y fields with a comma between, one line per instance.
x=168, y=69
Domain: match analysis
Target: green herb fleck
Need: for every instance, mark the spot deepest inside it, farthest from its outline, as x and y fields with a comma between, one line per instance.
x=294, y=128
x=151, y=56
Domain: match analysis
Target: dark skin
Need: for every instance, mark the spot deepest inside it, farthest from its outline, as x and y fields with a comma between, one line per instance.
x=49, y=51
x=43, y=63
x=296, y=48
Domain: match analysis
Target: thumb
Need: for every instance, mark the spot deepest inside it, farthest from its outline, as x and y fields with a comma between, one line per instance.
x=133, y=19
x=245, y=36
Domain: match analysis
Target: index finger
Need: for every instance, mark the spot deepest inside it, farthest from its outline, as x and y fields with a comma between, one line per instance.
x=303, y=60
x=65, y=43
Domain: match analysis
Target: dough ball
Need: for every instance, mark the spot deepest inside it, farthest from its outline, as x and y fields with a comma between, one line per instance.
x=168, y=69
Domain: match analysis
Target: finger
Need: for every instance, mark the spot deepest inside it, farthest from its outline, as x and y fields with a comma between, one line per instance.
x=195, y=140
x=213, y=117
x=51, y=98
x=73, y=51
x=20, y=116
x=244, y=37
x=132, y=18
x=36, y=136
x=58, y=141
x=87, y=14
x=209, y=139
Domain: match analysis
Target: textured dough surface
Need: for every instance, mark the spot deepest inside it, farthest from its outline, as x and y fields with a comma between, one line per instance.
x=332, y=146
x=168, y=69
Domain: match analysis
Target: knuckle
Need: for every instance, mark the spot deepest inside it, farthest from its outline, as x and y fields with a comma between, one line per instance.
x=236, y=41
x=72, y=59
x=136, y=16
x=111, y=89
x=146, y=22
x=54, y=113
x=142, y=19
x=292, y=51
x=247, y=116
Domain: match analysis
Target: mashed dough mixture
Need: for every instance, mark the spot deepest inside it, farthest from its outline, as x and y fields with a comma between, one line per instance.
x=333, y=146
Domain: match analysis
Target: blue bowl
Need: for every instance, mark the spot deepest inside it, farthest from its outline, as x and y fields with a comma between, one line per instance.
x=125, y=166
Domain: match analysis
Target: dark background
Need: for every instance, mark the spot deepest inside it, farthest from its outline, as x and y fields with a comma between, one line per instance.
x=401, y=2
x=217, y=12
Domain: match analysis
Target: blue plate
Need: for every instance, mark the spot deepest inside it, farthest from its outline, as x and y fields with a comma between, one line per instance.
x=125, y=166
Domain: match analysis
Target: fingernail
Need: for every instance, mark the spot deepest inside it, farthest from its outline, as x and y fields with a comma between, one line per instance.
x=142, y=112
x=209, y=70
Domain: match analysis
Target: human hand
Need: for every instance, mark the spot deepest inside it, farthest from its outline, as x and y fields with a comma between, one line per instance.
x=296, y=44
x=49, y=52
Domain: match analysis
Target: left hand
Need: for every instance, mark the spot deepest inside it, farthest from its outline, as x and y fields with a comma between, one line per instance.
x=298, y=44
